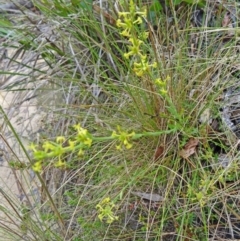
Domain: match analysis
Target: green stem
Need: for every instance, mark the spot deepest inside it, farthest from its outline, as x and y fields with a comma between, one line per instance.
x=157, y=133
x=107, y=138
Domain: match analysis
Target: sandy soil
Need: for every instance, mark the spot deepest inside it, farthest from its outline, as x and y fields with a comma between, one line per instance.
x=21, y=117
x=20, y=114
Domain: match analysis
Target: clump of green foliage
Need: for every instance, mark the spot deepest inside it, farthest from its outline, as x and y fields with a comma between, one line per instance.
x=124, y=165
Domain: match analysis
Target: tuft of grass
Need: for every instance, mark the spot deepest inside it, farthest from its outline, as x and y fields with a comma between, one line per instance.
x=133, y=144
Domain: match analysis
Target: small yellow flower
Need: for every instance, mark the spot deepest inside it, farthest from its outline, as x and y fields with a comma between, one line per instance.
x=163, y=91
x=127, y=55
x=129, y=19
x=77, y=127
x=33, y=147
x=142, y=13
x=123, y=137
x=37, y=166
x=71, y=144
x=127, y=144
x=81, y=152
x=160, y=83
x=138, y=21
x=105, y=210
x=163, y=85
x=80, y=130
x=145, y=35
x=125, y=33
x=123, y=14
x=134, y=49
x=105, y=201
x=119, y=147
x=87, y=142
x=127, y=25
x=135, y=42
x=60, y=163
x=143, y=66
x=120, y=24
x=83, y=136
x=154, y=65
x=60, y=139
x=48, y=146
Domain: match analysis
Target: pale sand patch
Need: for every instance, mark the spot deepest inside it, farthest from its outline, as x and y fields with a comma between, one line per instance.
x=21, y=109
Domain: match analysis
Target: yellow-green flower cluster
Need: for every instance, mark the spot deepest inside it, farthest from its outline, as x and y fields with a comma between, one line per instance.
x=123, y=138
x=162, y=84
x=105, y=210
x=80, y=142
x=83, y=136
x=128, y=22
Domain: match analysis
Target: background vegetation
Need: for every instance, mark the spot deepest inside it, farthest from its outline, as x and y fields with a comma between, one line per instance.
x=140, y=141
